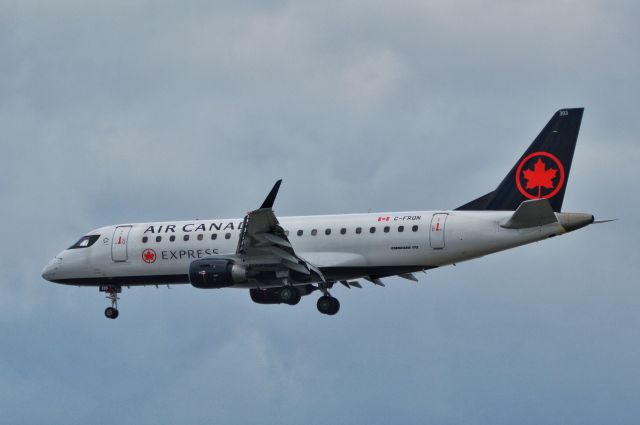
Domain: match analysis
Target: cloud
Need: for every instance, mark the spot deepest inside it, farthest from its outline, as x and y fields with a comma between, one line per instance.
x=138, y=111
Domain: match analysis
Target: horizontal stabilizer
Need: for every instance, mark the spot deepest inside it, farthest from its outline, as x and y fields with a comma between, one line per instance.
x=531, y=213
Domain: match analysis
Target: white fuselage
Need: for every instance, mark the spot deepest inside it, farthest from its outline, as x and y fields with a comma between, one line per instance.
x=160, y=253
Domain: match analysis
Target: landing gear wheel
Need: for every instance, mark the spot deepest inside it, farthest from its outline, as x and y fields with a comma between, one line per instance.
x=290, y=295
x=328, y=305
x=297, y=298
x=111, y=313
x=335, y=306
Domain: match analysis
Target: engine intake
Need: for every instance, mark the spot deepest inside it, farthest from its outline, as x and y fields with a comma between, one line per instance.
x=216, y=273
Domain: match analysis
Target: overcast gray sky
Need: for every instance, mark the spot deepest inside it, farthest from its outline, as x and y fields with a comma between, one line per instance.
x=127, y=111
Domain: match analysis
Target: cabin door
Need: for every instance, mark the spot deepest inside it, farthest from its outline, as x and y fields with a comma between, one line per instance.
x=119, y=243
x=436, y=233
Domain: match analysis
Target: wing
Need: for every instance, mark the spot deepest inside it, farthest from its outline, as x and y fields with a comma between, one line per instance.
x=262, y=240
x=262, y=236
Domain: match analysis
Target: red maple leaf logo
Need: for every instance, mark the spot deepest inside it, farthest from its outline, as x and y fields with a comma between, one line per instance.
x=540, y=176
x=550, y=179
x=148, y=256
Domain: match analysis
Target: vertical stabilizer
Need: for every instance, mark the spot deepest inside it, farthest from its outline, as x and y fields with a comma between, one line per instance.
x=542, y=171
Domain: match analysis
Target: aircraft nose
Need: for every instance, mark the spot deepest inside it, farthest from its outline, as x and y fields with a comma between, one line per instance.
x=49, y=271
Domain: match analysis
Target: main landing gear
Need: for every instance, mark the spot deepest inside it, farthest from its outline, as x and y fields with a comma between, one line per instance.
x=327, y=304
x=290, y=295
x=112, y=295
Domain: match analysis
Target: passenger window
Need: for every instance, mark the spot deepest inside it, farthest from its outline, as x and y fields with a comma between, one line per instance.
x=400, y=229
x=145, y=239
x=358, y=230
x=372, y=230
x=327, y=232
x=343, y=231
x=414, y=228
x=214, y=236
x=172, y=238
x=227, y=235
x=300, y=232
x=386, y=229
x=314, y=232
x=200, y=236
x=158, y=238
x=186, y=238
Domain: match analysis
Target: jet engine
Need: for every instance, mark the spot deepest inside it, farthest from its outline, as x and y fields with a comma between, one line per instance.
x=216, y=273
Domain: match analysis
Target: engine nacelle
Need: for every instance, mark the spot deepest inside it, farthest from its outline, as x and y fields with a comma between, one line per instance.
x=216, y=273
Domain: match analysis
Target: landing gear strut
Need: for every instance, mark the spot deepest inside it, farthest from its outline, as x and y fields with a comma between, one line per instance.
x=326, y=303
x=112, y=295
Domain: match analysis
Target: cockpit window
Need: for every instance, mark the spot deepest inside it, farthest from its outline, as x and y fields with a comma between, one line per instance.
x=85, y=242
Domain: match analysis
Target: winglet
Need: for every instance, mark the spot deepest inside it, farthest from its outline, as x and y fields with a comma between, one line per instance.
x=271, y=197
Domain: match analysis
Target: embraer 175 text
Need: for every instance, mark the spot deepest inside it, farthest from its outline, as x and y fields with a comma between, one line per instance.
x=281, y=259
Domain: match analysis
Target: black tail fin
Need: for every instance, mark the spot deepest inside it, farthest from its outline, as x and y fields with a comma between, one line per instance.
x=543, y=170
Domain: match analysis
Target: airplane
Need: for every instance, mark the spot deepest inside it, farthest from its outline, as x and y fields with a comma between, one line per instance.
x=282, y=259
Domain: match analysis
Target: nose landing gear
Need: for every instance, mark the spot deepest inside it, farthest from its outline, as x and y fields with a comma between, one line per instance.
x=112, y=295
